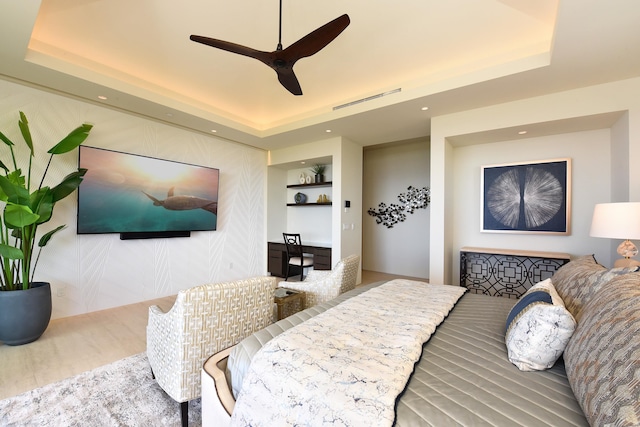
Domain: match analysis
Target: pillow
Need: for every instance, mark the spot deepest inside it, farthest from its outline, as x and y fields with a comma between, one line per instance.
x=538, y=328
x=602, y=359
x=578, y=280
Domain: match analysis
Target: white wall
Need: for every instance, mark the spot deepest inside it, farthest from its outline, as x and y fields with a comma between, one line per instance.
x=591, y=177
x=388, y=171
x=350, y=164
x=599, y=175
x=94, y=272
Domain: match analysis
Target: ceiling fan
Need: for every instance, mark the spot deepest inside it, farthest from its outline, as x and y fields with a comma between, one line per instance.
x=282, y=60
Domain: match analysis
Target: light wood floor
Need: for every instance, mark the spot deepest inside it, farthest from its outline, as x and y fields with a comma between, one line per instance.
x=73, y=345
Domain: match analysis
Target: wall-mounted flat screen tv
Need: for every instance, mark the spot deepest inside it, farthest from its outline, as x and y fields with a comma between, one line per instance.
x=143, y=196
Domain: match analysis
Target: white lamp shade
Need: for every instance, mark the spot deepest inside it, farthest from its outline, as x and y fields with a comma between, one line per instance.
x=616, y=221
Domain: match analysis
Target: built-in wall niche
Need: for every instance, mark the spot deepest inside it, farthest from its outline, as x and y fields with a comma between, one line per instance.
x=302, y=181
x=310, y=219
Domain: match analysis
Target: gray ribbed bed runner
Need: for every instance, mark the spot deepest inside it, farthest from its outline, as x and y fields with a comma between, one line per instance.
x=465, y=378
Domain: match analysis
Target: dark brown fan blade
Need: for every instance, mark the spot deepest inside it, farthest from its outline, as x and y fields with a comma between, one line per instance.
x=315, y=40
x=282, y=61
x=289, y=80
x=234, y=48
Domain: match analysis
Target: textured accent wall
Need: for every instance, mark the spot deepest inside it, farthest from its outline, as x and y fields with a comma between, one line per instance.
x=94, y=272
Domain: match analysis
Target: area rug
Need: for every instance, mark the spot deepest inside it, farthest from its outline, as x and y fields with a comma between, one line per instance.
x=122, y=393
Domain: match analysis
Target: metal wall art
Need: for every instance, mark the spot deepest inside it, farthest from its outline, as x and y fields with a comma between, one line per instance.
x=414, y=198
x=526, y=197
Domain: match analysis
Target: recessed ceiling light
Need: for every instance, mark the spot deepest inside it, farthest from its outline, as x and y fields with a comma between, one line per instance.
x=102, y=97
x=169, y=115
x=522, y=132
x=214, y=131
x=424, y=108
x=328, y=131
x=303, y=162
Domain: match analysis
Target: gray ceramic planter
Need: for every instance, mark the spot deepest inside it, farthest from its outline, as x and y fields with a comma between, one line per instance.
x=25, y=315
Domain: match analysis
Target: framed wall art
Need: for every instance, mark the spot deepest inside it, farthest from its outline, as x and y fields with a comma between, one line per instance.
x=528, y=197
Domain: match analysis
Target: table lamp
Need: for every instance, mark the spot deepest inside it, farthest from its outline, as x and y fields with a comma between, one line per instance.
x=618, y=221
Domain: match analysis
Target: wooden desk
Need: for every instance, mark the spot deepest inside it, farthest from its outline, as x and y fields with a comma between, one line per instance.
x=277, y=261
x=506, y=272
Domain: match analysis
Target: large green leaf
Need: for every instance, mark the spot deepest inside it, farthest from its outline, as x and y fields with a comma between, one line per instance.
x=42, y=204
x=12, y=188
x=10, y=252
x=68, y=185
x=19, y=216
x=73, y=140
x=17, y=178
x=9, y=143
x=23, y=123
x=5, y=139
x=47, y=236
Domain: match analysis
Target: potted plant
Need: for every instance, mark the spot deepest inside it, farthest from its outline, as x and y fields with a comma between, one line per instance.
x=25, y=305
x=318, y=171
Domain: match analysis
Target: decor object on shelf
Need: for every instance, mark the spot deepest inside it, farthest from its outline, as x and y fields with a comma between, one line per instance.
x=526, y=197
x=413, y=199
x=322, y=198
x=23, y=212
x=300, y=198
x=618, y=221
x=318, y=171
x=283, y=60
x=302, y=178
x=309, y=179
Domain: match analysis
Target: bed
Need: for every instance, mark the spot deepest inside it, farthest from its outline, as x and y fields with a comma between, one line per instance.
x=464, y=375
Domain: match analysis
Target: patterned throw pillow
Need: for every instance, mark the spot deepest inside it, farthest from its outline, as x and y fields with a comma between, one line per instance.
x=603, y=357
x=538, y=328
x=578, y=280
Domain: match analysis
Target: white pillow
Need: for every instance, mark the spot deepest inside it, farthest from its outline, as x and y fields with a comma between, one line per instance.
x=538, y=328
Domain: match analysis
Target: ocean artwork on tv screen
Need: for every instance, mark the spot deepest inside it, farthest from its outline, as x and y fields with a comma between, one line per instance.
x=127, y=193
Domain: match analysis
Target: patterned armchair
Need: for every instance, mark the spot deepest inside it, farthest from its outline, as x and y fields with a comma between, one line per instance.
x=204, y=320
x=321, y=285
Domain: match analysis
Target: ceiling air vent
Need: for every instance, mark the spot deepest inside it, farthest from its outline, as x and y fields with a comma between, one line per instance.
x=368, y=98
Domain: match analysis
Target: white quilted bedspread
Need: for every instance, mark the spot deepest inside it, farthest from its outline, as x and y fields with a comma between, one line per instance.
x=346, y=366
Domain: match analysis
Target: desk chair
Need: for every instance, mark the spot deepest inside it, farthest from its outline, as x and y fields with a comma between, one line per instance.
x=295, y=256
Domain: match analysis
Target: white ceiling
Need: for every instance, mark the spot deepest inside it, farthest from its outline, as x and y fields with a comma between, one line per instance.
x=446, y=55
